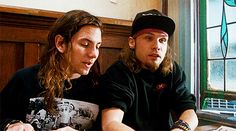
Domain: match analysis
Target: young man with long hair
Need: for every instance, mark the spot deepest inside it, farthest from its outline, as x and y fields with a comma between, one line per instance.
x=60, y=92
x=145, y=87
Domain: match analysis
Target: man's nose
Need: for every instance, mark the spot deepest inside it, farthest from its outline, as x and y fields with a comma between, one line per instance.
x=156, y=44
x=93, y=52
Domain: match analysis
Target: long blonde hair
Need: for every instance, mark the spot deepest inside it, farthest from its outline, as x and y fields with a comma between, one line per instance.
x=55, y=68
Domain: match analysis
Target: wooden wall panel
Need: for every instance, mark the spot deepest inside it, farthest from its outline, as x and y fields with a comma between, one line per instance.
x=23, y=35
x=11, y=55
x=31, y=54
x=13, y=33
x=107, y=57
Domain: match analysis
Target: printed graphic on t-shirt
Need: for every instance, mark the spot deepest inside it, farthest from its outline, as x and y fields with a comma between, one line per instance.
x=73, y=113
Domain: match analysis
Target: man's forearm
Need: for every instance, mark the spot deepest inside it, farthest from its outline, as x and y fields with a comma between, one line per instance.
x=190, y=117
x=117, y=126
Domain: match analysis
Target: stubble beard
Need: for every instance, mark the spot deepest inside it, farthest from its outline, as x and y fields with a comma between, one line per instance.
x=153, y=66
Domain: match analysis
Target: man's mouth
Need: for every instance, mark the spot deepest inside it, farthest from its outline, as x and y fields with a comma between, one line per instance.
x=88, y=64
x=155, y=55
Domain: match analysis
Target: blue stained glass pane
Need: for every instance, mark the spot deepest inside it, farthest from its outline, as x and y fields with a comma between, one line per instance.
x=224, y=35
x=230, y=2
x=230, y=13
x=214, y=13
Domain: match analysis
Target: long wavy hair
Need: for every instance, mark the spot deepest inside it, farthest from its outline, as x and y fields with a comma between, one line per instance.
x=55, y=68
x=128, y=57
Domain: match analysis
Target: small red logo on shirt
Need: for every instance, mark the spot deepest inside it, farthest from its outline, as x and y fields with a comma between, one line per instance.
x=160, y=86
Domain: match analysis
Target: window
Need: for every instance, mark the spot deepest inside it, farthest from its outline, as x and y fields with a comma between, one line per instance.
x=217, y=20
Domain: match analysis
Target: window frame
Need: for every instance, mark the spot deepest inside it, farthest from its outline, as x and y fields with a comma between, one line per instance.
x=201, y=70
x=204, y=92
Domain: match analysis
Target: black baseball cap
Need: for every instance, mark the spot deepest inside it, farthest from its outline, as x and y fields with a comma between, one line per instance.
x=153, y=19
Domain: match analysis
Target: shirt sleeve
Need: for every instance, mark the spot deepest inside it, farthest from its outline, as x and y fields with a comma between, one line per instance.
x=183, y=99
x=9, y=98
x=14, y=97
x=116, y=87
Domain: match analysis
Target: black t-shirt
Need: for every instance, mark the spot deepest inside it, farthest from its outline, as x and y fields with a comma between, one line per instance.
x=21, y=100
x=147, y=98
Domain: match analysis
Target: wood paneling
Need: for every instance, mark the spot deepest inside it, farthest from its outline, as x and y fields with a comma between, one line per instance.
x=23, y=34
x=31, y=54
x=11, y=56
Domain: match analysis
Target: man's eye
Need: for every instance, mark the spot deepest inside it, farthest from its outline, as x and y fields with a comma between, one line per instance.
x=150, y=38
x=162, y=40
x=84, y=43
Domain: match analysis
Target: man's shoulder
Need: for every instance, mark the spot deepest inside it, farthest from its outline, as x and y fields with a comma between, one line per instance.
x=31, y=70
x=177, y=67
x=118, y=66
x=118, y=63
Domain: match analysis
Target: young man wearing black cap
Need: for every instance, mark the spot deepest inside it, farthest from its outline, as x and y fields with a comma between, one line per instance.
x=145, y=87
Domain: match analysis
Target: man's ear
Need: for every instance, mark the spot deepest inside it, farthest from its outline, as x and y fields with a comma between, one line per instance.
x=59, y=43
x=131, y=42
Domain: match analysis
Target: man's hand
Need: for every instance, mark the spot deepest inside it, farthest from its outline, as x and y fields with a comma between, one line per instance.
x=67, y=128
x=19, y=126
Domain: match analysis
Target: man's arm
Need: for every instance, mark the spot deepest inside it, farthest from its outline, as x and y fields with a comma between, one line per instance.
x=112, y=120
x=190, y=117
